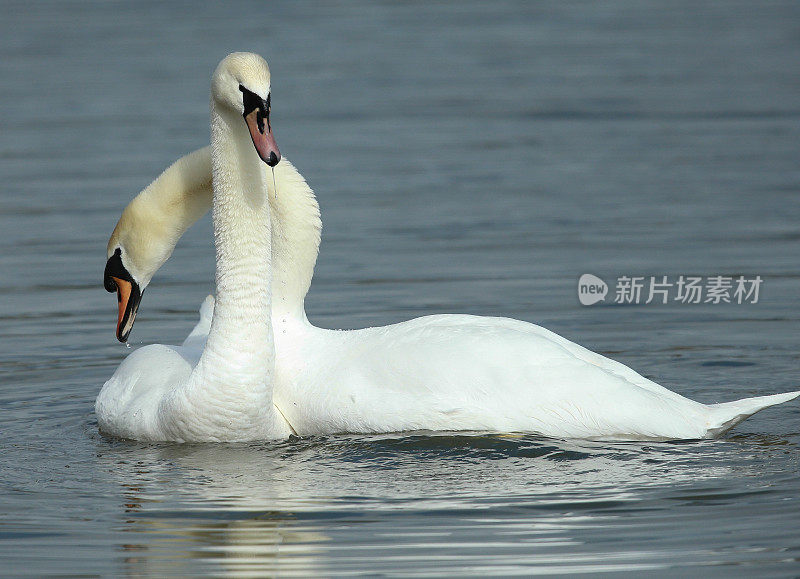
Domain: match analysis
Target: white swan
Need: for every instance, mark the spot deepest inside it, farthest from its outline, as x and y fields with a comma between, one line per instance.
x=445, y=372
x=223, y=391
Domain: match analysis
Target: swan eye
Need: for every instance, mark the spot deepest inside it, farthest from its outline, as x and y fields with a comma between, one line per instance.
x=250, y=100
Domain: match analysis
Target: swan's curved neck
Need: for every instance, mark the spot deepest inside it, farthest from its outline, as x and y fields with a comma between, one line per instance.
x=154, y=221
x=156, y=218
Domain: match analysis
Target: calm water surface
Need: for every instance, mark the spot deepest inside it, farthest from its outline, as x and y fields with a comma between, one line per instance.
x=470, y=157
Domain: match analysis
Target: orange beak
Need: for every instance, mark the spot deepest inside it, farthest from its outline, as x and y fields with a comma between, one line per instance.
x=118, y=279
x=124, y=288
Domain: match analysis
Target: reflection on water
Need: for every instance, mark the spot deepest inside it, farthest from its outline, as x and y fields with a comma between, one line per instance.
x=437, y=501
x=228, y=525
x=266, y=543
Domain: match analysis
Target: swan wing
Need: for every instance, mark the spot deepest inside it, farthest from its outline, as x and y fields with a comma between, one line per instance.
x=459, y=372
x=130, y=403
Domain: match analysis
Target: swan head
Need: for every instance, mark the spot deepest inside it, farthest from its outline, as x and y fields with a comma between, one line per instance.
x=150, y=227
x=119, y=278
x=241, y=84
x=145, y=237
x=140, y=244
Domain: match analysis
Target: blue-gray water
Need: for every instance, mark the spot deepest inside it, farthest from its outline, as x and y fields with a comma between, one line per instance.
x=469, y=157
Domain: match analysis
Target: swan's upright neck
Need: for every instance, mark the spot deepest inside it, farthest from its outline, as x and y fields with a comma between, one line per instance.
x=242, y=236
x=236, y=368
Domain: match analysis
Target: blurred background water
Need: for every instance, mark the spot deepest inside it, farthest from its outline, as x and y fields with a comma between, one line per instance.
x=468, y=157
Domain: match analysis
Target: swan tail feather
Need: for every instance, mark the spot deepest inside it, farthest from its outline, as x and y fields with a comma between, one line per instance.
x=207, y=309
x=726, y=415
x=204, y=325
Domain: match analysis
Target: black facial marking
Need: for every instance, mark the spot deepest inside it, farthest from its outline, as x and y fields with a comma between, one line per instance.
x=114, y=268
x=253, y=102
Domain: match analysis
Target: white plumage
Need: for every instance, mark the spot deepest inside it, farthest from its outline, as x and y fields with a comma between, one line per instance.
x=444, y=372
x=222, y=392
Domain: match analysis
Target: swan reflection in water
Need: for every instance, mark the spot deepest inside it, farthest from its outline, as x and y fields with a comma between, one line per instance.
x=310, y=506
x=194, y=506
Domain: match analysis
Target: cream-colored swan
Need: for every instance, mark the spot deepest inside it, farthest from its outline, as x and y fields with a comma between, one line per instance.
x=224, y=390
x=446, y=372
